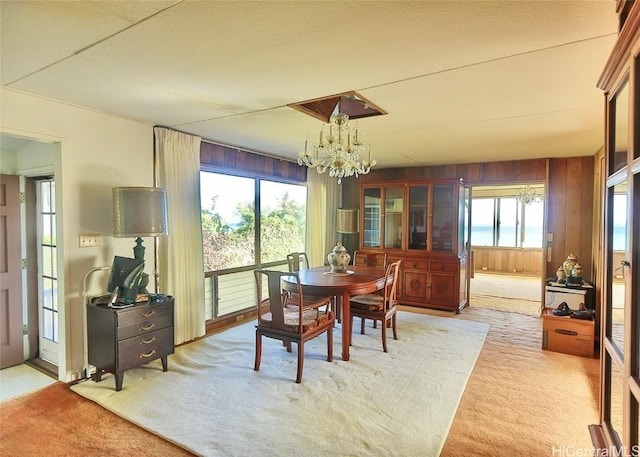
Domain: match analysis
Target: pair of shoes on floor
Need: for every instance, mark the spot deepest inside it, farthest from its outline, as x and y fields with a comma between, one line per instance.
x=586, y=314
x=562, y=310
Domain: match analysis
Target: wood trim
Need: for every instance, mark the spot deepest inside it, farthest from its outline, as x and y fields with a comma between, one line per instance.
x=217, y=157
x=622, y=50
x=598, y=439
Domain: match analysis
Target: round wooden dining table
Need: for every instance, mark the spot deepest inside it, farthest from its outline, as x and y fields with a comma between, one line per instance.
x=358, y=280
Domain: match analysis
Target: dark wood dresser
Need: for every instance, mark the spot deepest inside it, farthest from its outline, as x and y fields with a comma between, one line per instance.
x=121, y=339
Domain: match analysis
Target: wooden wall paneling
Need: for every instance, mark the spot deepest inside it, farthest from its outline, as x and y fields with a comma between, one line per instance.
x=569, y=203
x=224, y=157
x=571, y=212
x=556, y=215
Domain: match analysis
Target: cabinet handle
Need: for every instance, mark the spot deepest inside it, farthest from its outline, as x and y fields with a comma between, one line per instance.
x=149, y=341
x=147, y=355
x=148, y=327
x=145, y=315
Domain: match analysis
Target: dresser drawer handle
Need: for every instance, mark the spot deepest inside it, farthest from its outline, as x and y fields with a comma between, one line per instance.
x=148, y=327
x=149, y=341
x=145, y=315
x=415, y=265
x=147, y=355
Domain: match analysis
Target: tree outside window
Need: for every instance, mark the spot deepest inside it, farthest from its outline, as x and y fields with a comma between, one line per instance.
x=230, y=206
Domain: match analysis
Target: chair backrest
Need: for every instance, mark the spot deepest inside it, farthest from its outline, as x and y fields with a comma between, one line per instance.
x=272, y=297
x=370, y=259
x=297, y=261
x=391, y=286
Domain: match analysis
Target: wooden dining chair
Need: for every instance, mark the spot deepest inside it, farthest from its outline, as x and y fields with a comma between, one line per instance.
x=379, y=307
x=297, y=261
x=370, y=258
x=290, y=318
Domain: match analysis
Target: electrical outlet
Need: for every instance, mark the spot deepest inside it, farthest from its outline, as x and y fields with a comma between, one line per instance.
x=89, y=240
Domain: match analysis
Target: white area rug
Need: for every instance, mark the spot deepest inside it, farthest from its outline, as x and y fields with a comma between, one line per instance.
x=211, y=402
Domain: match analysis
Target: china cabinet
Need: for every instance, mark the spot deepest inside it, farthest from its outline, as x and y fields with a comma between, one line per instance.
x=619, y=428
x=421, y=223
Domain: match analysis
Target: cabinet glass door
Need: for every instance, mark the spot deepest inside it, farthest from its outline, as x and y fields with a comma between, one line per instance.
x=372, y=217
x=418, y=210
x=444, y=210
x=393, y=210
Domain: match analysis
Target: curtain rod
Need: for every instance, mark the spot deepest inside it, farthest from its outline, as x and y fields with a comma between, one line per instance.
x=264, y=154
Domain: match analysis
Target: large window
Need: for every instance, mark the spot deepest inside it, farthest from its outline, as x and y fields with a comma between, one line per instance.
x=506, y=222
x=246, y=223
x=231, y=205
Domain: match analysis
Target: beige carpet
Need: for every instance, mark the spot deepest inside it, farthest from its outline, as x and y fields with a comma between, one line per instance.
x=515, y=293
x=521, y=400
x=211, y=402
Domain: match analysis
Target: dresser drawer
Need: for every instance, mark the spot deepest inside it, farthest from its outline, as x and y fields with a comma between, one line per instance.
x=443, y=266
x=144, y=348
x=411, y=264
x=144, y=313
x=144, y=326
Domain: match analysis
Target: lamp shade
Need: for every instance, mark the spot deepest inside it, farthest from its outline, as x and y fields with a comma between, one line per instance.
x=347, y=221
x=139, y=212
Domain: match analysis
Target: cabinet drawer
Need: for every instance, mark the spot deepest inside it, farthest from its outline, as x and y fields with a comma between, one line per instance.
x=144, y=348
x=139, y=314
x=412, y=264
x=443, y=266
x=143, y=327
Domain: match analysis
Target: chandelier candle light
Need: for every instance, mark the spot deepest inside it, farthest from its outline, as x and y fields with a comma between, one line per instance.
x=341, y=154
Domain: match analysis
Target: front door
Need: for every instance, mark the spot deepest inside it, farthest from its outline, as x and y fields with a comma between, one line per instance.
x=11, y=339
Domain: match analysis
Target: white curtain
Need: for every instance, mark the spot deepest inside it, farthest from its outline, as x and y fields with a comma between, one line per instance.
x=180, y=262
x=324, y=196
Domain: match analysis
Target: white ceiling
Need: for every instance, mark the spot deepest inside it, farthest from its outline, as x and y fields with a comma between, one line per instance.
x=462, y=81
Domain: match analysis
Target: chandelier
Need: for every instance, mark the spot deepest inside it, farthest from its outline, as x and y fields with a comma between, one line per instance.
x=341, y=154
x=527, y=195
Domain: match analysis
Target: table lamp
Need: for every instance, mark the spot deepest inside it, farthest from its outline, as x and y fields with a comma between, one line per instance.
x=347, y=222
x=140, y=212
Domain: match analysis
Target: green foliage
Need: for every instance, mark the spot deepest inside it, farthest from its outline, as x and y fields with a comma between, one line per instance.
x=282, y=231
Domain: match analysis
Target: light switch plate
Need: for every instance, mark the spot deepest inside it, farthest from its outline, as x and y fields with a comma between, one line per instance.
x=89, y=240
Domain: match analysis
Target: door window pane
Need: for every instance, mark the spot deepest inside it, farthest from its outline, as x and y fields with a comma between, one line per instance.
x=418, y=200
x=372, y=209
x=620, y=273
x=615, y=398
x=443, y=215
x=394, y=204
x=620, y=110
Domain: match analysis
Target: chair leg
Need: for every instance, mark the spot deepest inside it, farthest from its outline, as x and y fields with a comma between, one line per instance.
x=256, y=365
x=393, y=326
x=329, y=345
x=383, y=326
x=351, y=332
x=362, y=321
x=300, y=362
